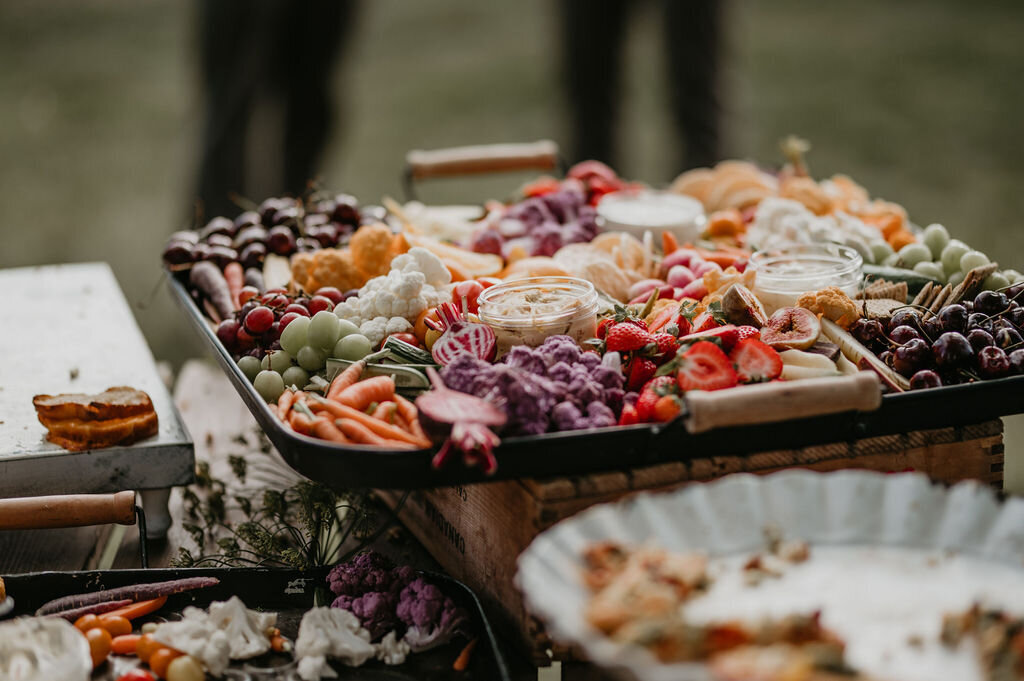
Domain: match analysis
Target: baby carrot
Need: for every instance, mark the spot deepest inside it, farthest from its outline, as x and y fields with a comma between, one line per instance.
x=235, y=276
x=362, y=394
x=385, y=411
x=285, y=402
x=462, y=661
x=345, y=379
x=125, y=644
x=357, y=432
x=384, y=430
x=669, y=243
x=407, y=410
x=325, y=430
x=300, y=422
x=138, y=609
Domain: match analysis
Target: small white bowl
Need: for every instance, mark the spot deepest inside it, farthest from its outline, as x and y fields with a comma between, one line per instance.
x=639, y=211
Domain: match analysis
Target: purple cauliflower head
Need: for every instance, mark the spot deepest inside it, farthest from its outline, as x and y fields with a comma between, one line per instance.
x=366, y=572
x=376, y=612
x=432, y=618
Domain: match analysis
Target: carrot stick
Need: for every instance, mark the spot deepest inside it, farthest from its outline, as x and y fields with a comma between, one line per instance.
x=125, y=644
x=362, y=394
x=669, y=243
x=407, y=410
x=235, y=276
x=386, y=411
x=462, y=661
x=325, y=430
x=138, y=609
x=357, y=432
x=384, y=430
x=345, y=379
x=300, y=423
x=274, y=409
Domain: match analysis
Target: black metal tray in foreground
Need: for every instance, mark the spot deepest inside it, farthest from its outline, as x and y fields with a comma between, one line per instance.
x=288, y=592
x=608, y=449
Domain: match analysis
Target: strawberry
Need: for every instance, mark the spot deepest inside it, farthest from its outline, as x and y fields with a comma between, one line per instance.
x=749, y=332
x=705, y=367
x=653, y=391
x=668, y=317
x=667, y=344
x=667, y=408
x=629, y=416
x=755, y=361
x=726, y=336
x=626, y=336
x=602, y=326
x=703, y=322
x=641, y=370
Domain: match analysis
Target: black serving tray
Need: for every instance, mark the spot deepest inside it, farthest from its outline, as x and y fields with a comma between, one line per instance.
x=288, y=592
x=607, y=449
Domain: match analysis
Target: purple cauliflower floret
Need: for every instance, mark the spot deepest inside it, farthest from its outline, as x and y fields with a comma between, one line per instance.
x=365, y=573
x=561, y=349
x=567, y=416
x=532, y=212
x=547, y=239
x=525, y=358
x=606, y=376
x=600, y=415
x=465, y=372
x=432, y=618
x=376, y=612
x=590, y=359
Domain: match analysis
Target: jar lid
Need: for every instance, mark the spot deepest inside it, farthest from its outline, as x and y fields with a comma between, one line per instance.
x=537, y=300
x=795, y=266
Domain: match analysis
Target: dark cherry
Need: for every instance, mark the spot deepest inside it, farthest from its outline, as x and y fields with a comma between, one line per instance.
x=1016, y=317
x=1017, y=361
x=346, y=210
x=931, y=328
x=326, y=235
x=993, y=362
x=253, y=254
x=177, y=253
x=886, y=357
x=991, y=302
x=219, y=239
x=925, y=378
x=221, y=255
x=905, y=317
x=280, y=240
x=951, y=350
x=218, y=225
x=977, y=320
x=910, y=358
x=1014, y=293
x=269, y=208
x=200, y=252
x=979, y=339
x=185, y=235
x=249, y=217
x=1007, y=338
x=250, y=235
x=902, y=335
x=315, y=219
x=289, y=215
x=953, y=318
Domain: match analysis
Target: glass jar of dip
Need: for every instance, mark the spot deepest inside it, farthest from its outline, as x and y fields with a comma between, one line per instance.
x=639, y=211
x=527, y=311
x=784, y=273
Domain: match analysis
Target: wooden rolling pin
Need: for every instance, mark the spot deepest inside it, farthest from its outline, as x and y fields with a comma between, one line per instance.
x=72, y=510
x=781, y=401
x=485, y=158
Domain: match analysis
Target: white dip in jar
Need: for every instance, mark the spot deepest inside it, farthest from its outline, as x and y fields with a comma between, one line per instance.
x=784, y=273
x=527, y=311
x=639, y=211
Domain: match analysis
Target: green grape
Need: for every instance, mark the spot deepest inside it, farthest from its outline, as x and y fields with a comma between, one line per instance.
x=280, y=361
x=936, y=238
x=955, y=278
x=346, y=328
x=994, y=282
x=294, y=335
x=296, y=376
x=911, y=254
x=269, y=385
x=310, y=358
x=323, y=330
x=250, y=366
x=892, y=260
x=880, y=250
x=931, y=269
x=951, y=255
x=972, y=259
x=352, y=347
x=1013, y=276
x=265, y=362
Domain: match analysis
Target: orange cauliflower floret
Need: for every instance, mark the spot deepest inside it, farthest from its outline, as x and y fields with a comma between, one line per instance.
x=336, y=267
x=302, y=268
x=808, y=192
x=832, y=303
x=373, y=247
x=717, y=282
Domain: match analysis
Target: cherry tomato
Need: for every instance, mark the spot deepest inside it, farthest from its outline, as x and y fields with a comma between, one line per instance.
x=185, y=668
x=409, y=338
x=99, y=645
x=87, y=622
x=147, y=646
x=420, y=328
x=470, y=290
x=161, y=659
x=136, y=675
x=116, y=625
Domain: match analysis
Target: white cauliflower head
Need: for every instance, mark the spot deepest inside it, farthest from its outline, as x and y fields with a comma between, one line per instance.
x=227, y=631
x=330, y=632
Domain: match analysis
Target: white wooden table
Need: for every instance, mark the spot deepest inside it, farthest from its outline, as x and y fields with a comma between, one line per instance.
x=68, y=328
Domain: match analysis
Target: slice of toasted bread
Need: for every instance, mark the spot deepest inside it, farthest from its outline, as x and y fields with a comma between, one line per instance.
x=114, y=403
x=78, y=434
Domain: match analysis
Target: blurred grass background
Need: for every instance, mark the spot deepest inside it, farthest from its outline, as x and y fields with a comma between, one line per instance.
x=919, y=101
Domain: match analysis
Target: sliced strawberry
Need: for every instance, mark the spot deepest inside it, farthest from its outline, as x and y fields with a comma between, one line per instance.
x=667, y=408
x=726, y=336
x=748, y=332
x=703, y=322
x=626, y=336
x=641, y=370
x=705, y=367
x=756, y=361
x=629, y=416
x=668, y=317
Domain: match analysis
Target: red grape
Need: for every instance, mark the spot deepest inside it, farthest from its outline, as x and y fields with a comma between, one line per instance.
x=245, y=340
x=318, y=303
x=227, y=332
x=259, y=320
x=247, y=293
x=274, y=299
x=271, y=334
x=287, y=318
x=276, y=289
x=331, y=293
x=297, y=309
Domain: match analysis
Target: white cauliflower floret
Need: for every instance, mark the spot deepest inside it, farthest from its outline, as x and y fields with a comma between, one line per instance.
x=397, y=325
x=419, y=259
x=348, y=309
x=375, y=329
x=228, y=631
x=392, y=650
x=330, y=632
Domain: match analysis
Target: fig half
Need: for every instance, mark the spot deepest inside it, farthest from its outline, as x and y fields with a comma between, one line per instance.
x=742, y=308
x=791, y=328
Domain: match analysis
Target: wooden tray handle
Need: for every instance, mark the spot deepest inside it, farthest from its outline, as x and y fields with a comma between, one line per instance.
x=782, y=401
x=72, y=510
x=484, y=158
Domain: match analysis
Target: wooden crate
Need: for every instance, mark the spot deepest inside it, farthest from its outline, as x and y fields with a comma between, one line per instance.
x=476, y=532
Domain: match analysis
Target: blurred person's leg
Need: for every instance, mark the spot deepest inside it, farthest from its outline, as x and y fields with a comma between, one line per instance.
x=593, y=32
x=313, y=34
x=232, y=68
x=693, y=44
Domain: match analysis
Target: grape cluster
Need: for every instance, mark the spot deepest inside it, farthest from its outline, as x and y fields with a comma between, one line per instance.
x=540, y=225
x=948, y=260
x=977, y=339
x=280, y=225
x=281, y=340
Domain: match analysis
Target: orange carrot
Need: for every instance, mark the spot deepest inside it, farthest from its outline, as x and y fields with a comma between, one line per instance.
x=346, y=378
x=386, y=411
x=325, y=430
x=669, y=243
x=462, y=661
x=357, y=432
x=383, y=430
x=364, y=393
x=300, y=423
x=277, y=643
x=235, y=276
x=720, y=257
x=125, y=644
x=407, y=410
x=138, y=609
x=285, y=402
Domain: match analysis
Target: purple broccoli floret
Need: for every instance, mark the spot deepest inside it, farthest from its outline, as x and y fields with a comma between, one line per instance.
x=432, y=618
x=375, y=610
